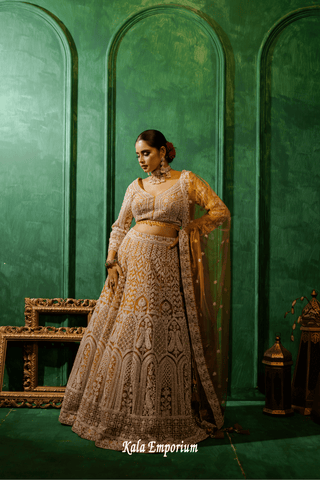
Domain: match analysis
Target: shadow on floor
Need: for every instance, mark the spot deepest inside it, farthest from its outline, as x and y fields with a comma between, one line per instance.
x=33, y=444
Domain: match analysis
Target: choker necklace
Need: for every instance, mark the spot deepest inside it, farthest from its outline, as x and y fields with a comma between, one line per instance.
x=160, y=174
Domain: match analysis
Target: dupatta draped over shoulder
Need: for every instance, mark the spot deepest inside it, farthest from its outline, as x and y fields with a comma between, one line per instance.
x=205, y=272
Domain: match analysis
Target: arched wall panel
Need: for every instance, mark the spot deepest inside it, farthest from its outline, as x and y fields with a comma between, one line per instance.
x=166, y=70
x=35, y=126
x=288, y=175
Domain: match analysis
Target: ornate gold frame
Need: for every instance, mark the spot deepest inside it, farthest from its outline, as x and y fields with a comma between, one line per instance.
x=49, y=395
x=60, y=306
x=35, y=396
x=34, y=306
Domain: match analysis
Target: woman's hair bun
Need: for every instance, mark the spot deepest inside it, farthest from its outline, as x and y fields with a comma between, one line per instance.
x=156, y=139
x=171, y=151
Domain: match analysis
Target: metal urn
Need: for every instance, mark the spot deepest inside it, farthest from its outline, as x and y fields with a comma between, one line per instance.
x=307, y=366
x=278, y=361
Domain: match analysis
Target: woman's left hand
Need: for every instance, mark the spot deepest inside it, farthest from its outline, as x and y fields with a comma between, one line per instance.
x=176, y=241
x=191, y=226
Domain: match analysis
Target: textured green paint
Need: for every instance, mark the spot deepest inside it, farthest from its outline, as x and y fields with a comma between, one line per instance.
x=165, y=72
x=55, y=362
x=35, y=91
x=290, y=195
x=168, y=64
x=13, y=372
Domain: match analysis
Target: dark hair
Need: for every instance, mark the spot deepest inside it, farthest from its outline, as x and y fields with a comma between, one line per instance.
x=155, y=139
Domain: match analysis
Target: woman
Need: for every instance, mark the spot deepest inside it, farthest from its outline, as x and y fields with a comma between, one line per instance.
x=152, y=365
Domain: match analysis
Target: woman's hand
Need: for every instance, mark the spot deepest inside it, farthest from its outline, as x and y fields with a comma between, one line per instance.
x=187, y=230
x=113, y=277
x=176, y=241
x=191, y=226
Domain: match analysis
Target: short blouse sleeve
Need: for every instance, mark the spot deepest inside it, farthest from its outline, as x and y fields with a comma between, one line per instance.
x=201, y=194
x=122, y=225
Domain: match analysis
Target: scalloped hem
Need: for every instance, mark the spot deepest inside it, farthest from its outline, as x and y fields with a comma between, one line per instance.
x=67, y=418
x=147, y=445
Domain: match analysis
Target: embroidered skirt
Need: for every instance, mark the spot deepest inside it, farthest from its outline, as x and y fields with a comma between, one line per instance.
x=131, y=379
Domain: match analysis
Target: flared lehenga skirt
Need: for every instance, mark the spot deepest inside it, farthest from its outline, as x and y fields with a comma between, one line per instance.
x=131, y=379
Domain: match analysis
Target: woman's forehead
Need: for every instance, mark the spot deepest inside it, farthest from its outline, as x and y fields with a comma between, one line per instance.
x=142, y=145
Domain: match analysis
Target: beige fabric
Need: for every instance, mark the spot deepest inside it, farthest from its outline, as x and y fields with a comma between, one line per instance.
x=170, y=206
x=132, y=377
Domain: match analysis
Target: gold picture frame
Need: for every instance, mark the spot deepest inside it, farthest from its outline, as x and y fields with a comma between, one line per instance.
x=34, y=306
x=51, y=396
x=59, y=306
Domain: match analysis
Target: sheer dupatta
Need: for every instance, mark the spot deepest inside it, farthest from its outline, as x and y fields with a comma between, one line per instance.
x=205, y=268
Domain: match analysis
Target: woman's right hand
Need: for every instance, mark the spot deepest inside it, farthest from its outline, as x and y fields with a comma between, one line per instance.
x=113, y=277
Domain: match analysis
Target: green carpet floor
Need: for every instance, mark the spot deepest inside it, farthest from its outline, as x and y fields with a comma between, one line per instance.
x=33, y=444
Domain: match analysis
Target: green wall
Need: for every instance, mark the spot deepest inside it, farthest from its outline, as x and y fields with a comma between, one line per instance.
x=234, y=84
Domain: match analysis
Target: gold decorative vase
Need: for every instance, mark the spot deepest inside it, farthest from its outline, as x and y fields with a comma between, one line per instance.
x=278, y=361
x=307, y=366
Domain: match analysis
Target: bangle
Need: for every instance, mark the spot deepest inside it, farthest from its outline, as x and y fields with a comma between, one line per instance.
x=111, y=263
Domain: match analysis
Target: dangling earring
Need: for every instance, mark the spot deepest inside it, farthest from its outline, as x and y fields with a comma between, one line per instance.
x=164, y=171
x=162, y=167
x=160, y=174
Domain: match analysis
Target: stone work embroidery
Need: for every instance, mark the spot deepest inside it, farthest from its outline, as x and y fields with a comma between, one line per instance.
x=131, y=378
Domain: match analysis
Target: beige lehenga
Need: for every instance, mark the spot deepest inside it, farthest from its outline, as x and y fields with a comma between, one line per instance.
x=152, y=365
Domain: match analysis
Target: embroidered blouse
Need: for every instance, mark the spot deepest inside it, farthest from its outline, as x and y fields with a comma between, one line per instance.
x=169, y=206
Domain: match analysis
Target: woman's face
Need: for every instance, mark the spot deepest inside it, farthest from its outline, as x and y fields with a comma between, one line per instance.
x=149, y=157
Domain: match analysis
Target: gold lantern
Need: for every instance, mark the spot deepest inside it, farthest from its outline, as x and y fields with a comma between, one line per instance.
x=278, y=361
x=308, y=361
